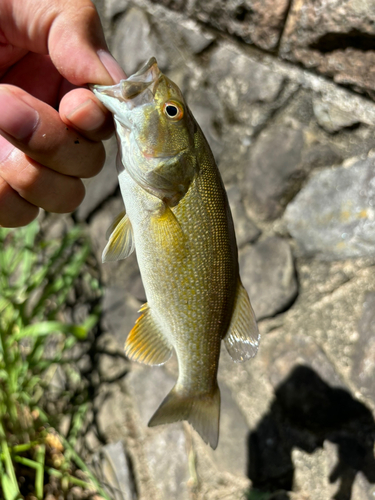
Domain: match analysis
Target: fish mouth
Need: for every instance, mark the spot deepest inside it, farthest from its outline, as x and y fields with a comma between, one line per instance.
x=136, y=90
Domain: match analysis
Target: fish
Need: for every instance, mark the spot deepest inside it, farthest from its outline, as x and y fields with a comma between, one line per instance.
x=177, y=219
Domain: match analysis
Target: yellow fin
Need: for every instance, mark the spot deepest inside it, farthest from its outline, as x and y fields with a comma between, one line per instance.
x=121, y=241
x=146, y=342
x=116, y=220
x=169, y=231
x=242, y=338
x=201, y=411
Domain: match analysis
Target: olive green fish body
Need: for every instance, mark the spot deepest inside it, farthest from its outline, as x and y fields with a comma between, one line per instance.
x=178, y=220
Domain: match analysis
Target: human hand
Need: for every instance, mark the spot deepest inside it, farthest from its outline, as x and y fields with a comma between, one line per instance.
x=48, y=49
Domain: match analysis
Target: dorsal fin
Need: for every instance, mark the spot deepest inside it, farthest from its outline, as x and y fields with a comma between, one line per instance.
x=121, y=241
x=242, y=338
x=146, y=342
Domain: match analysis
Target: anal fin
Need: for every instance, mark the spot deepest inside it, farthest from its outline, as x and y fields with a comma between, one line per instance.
x=146, y=343
x=121, y=240
x=242, y=338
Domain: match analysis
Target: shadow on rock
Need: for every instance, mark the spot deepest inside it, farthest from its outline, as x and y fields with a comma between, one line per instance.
x=306, y=412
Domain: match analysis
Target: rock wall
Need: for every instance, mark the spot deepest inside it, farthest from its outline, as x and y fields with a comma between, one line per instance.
x=283, y=91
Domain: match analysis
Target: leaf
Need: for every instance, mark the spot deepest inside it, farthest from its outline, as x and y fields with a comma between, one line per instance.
x=47, y=327
x=11, y=492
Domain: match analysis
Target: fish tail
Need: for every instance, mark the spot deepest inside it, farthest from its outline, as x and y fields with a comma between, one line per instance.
x=202, y=412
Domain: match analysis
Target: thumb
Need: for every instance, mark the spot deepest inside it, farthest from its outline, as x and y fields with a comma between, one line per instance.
x=77, y=46
x=69, y=31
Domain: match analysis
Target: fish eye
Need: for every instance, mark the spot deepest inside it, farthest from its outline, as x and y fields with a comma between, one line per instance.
x=173, y=110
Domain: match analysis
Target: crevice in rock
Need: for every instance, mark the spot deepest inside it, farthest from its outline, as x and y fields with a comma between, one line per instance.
x=353, y=39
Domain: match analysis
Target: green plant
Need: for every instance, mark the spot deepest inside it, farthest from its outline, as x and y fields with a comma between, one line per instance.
x=36, y=278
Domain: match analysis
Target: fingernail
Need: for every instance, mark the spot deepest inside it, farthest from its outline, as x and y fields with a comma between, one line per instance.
x=87, y=116
x=17, y=118
x=111, y=65
x=5, y=149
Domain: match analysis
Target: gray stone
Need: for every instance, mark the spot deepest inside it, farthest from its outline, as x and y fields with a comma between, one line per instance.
x=110, y=414
x=119, y=312
x=194, y=38
x=275, y=169
x=335, y=38
x=231, y=454
x=332, y=118
x=134, y=42
x=311, y=474
x=255, y=21
x=299, y=350
x=113, y=8
x=246, y=230
x=112, y=367
x=208, y=112
x=344, y=227
x=363, y=368
x=241, y=79
x=112, y=469
x=101, y=186
x=268, y=274
x=168, y=462
x=164, y=446
x=149, y=386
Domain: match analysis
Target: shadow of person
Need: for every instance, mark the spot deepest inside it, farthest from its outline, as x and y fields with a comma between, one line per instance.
x=305, y=412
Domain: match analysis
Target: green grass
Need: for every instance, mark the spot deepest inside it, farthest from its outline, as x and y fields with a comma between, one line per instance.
x=36, y=278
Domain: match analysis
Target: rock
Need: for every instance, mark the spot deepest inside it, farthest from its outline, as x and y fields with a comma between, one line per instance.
x=168, y=462
x=256, y=21
x=194, y=38
x=363, y=368
x=112, y=8
x=112, y=470
x=332, y=118
x=177, y=5
x=110, y=415
x=208, y=112
x=103, y=185
x=231, y=453
x=246, y=230
x=248, y=92
x=164, y=446
x=309, y=415
x=112, y=367
x=135, y=42
x=335, y=38
x=295, y=350
x=149, y=386
x=268, y=274
x=344, y=227
x=240, y=79
x=275, y=169
x=119, y=312
x=311, y=474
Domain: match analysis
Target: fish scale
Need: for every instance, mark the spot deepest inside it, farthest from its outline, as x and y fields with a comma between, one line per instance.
x=178, y=220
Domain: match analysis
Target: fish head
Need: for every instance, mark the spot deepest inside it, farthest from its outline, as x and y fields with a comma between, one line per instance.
x=156, y=130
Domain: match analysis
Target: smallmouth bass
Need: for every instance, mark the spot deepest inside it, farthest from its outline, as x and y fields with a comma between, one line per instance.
x=178, y=219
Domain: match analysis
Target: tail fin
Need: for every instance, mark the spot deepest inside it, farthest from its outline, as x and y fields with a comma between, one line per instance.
x=202, y=412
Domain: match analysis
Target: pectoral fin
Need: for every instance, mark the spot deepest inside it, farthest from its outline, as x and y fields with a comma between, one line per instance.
x=121, y=241
x=242, y=339
x=168, y=230
x=146, y=342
